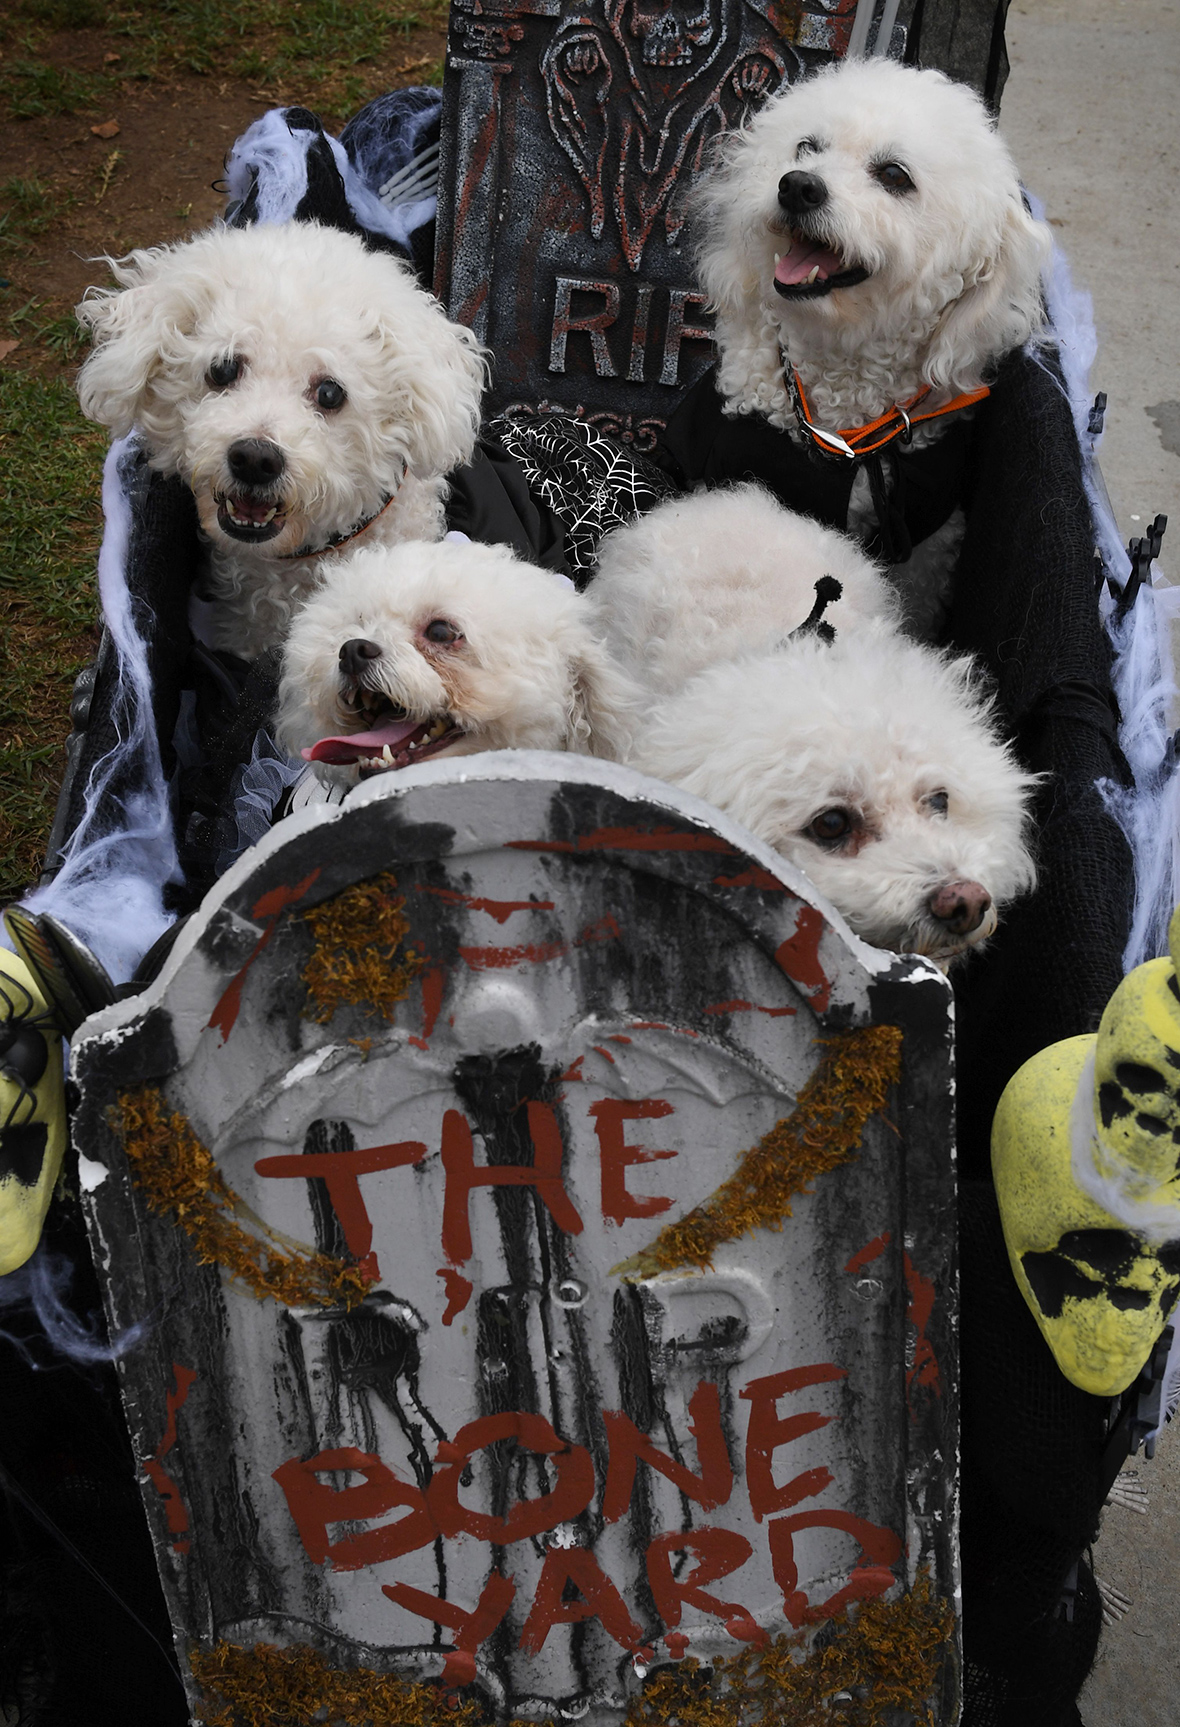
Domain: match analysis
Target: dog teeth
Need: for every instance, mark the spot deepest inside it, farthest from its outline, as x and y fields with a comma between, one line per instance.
x=386, y=753
x=778, y=258
x=437, y=729
x=814, y=273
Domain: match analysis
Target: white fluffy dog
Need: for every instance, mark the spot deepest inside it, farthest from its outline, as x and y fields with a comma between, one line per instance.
x=702, y=578
x=868, y=224
x=306, y=389
x=871, y=762
x=409, y=651
x=874, y=765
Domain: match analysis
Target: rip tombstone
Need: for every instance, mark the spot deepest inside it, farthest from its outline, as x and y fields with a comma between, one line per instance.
x=546, y=1214
x=571, y=139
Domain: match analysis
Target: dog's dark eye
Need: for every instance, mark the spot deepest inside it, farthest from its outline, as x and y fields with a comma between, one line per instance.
x=831, y=827
x=224, y=372
x=806, y=147
x=937, y=802
x=893, y=177
x=440, y=630
x=329, y=395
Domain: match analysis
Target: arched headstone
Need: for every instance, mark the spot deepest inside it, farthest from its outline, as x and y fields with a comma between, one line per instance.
x=543, y=1213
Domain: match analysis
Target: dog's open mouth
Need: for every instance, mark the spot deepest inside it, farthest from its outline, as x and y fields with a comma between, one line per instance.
x=394, y=741
x=809, y=269
x=243, y=517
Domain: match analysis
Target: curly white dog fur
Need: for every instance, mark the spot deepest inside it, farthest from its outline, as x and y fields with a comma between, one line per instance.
x=702, y=578
x=874, y=765
x=301, y=385
x=409, y=651
x=869, y=225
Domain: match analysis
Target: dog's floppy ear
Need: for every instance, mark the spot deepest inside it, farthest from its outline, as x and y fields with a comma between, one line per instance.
x=131, y=326
x=604, y=705
x=1001, y=307
x=435, y=373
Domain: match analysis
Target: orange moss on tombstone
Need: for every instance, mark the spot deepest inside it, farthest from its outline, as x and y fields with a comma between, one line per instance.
x=179, y=1179
x=887, y=1659
x=359, y=957
x=884, y=1660
x=269, y=1687
x=849, y=1086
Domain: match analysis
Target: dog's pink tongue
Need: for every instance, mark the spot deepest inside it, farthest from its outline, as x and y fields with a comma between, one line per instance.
x=801, y=260
x=340, y=751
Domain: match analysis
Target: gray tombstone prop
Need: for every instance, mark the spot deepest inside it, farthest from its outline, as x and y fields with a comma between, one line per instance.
x=571, y=137
x=535, y=1456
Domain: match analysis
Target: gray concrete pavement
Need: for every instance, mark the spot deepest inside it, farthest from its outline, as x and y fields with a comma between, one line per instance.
x=1092, y=113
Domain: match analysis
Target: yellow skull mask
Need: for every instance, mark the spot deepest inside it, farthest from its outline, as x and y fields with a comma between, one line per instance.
x=32, y=1111
x=1085, y=1149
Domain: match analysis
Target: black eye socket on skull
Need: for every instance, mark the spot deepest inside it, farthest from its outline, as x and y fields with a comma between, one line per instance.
x=441, y=630
x=329, y=395
x=831, y=827
x=892, y=176
x=224, y=372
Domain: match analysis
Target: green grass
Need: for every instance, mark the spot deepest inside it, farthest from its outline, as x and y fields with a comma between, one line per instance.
x=59, y=334
x=50, y=522
x=317, y=50
x=27, y=208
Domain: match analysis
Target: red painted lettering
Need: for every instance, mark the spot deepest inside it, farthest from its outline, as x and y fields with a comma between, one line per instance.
x=627, y=1445
x=871, y=1575
x=494, y=1601
x=617, y=1156
x=342, y=1170
x=719, y=1551
x=458, y=1160
x=768, y=1430
x=568, y=1499
x=314, y=1504
x=598, y=1599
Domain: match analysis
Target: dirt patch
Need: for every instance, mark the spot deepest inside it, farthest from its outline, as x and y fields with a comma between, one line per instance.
x=152, y=181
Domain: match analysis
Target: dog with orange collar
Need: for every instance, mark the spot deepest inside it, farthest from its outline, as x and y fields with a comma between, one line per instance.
x=866, y=246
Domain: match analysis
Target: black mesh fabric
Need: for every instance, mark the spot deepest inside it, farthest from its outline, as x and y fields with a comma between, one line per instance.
x=1031, y=1494
x=84, y=1634
x=1025, y=603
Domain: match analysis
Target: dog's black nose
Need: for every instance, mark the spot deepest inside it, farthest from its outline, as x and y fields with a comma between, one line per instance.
x=355, y=656
x=255, y=461
x=799, y=193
